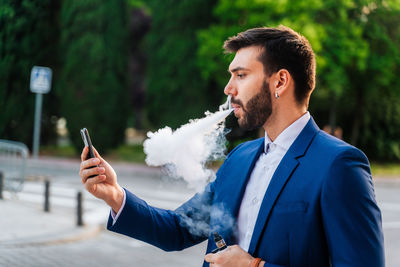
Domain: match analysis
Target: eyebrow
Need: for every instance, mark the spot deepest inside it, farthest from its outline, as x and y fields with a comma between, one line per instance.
x=237, y=69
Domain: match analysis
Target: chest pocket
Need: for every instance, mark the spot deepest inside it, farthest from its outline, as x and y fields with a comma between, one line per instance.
x=290, y=207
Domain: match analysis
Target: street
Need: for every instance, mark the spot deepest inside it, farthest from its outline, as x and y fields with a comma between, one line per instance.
x=94, y=246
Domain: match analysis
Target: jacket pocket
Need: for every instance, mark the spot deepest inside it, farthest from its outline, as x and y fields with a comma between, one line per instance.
x=289, y=207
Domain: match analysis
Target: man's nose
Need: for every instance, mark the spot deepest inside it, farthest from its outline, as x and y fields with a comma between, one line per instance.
x=230, y=89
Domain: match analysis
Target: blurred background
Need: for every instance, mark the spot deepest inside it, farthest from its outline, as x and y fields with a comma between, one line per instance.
x=121, y=68
x=124, y=67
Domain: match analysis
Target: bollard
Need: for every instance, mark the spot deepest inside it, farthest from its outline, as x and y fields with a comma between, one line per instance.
x=1, y=184
x=47, y=196
x=79, y=210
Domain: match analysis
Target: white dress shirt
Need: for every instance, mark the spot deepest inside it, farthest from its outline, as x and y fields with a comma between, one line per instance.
x=114, y=215
x=261, y=176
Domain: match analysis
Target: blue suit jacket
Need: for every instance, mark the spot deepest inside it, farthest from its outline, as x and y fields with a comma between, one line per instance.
x=319, y=208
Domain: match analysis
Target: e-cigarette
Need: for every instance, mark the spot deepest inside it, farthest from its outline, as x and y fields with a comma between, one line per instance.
x=219, y=242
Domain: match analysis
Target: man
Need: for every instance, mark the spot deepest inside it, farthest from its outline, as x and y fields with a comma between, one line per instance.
x=299, y=197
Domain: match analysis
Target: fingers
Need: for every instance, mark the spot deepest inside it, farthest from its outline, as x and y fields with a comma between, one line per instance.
x=220, y=258
x=85, y=173
x=97, y=155
x=89, y=163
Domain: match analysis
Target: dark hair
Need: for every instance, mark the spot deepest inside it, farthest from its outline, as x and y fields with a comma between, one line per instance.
x=283, y=48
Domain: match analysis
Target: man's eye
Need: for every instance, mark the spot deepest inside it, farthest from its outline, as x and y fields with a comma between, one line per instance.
x=241, y=75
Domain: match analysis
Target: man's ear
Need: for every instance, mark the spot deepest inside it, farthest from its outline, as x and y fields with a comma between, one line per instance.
x=280, y=82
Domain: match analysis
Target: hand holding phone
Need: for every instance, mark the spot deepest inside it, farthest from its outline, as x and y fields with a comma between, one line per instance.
x=104, y=185
x=86, y=140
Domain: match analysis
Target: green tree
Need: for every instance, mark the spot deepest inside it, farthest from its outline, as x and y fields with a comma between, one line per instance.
x=28, y=37
x=376, y=122
x=357, y=48
x=92, y=85
x=176, y=91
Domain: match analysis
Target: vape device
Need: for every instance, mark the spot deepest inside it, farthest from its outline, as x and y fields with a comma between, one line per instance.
x=219, y=242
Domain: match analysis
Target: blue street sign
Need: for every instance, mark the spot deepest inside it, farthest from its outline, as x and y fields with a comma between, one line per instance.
x=40, y=84
x=40, y=80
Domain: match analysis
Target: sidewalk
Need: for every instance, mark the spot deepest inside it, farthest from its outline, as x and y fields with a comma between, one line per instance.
x=26, y=224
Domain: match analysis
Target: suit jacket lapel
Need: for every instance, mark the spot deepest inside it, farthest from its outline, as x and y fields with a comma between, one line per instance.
x=281, y=176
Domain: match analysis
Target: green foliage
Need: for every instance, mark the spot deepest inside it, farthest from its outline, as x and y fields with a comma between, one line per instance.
x=93, y=81
x=28, y=37
x=381, y=128
x=176, y=91
x=357, y=47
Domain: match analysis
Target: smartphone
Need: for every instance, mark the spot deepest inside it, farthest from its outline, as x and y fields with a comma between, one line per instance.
x=86, y=140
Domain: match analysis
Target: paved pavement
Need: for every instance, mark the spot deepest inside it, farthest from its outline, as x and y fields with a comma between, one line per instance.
x=31, y=237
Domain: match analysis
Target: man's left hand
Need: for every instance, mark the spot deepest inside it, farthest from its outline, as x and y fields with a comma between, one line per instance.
x=233, y=256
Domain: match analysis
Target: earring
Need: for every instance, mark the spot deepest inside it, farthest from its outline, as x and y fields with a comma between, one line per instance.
x=276, y=95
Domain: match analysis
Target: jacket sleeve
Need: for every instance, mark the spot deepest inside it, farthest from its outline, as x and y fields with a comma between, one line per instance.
x=166, y=229
x=351, y=217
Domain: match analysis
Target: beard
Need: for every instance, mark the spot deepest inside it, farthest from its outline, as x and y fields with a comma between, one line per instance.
x=257, y=110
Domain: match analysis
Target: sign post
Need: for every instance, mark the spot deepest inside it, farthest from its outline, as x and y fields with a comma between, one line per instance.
x=40, y=84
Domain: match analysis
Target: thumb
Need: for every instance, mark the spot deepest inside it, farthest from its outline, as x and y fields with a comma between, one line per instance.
x=97, y=154
x=102, y=161
x=210, y=257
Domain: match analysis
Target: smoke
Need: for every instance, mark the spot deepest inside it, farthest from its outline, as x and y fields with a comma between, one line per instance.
x=184, y=152
x=194, y=219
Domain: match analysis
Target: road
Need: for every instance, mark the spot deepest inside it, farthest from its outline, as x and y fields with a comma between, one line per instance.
x=106, y=248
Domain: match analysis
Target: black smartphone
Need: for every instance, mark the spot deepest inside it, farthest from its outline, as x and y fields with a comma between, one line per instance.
x=86, y=140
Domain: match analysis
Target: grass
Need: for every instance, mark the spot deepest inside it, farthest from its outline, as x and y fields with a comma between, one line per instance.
x=385, y=169
x=127, y=153
x=59, y=151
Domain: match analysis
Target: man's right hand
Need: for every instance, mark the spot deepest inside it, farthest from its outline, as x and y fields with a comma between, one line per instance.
x=104, y=185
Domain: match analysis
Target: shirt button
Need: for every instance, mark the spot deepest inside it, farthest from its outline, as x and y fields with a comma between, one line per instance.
x=254, y=201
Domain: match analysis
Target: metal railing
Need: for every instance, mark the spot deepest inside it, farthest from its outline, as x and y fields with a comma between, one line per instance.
x=13, y=160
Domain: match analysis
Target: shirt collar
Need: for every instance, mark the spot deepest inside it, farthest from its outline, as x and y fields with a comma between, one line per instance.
x=287, y=137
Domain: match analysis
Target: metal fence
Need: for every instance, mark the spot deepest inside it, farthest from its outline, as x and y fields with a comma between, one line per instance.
x=13, y=159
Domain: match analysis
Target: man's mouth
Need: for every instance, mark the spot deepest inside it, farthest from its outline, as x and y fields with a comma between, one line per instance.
x=234, y=105
x=236, y=108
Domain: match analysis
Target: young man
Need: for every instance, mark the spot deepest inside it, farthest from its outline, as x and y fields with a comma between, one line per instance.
x=299, y=197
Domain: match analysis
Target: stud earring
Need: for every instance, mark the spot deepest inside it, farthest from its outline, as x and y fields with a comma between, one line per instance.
x=276, y=95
